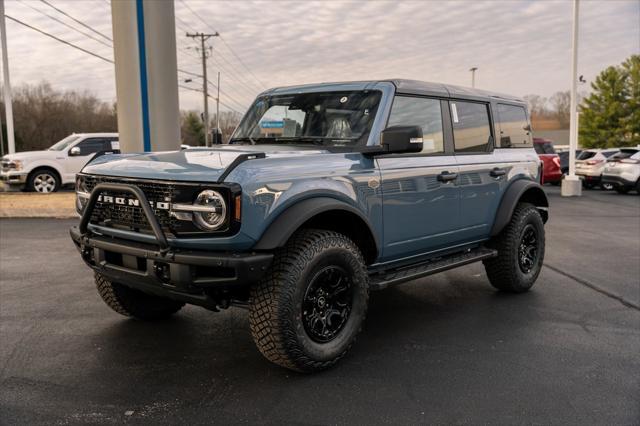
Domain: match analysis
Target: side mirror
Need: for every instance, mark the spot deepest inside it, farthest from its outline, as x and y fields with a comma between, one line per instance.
x=399, y=139
x=74, y=151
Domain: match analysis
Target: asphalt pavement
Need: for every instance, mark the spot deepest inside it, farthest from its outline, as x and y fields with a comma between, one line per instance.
x=440, y=350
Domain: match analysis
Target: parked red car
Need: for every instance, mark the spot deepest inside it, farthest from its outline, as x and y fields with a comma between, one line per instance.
x=551, y=171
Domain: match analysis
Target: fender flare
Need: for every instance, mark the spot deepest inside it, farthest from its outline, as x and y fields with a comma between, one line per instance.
x=531, y=190
x=290, y=220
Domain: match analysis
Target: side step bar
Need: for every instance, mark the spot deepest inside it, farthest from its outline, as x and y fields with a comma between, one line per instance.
x=383, y=280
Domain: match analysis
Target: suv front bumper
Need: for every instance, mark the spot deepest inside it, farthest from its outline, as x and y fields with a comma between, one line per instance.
x=190, y=276
x=13, y=178
x=182, y=275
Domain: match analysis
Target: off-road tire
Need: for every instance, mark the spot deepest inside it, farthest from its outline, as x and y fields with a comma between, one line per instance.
x=134, y=303
x=504, y=270
x=275, y=308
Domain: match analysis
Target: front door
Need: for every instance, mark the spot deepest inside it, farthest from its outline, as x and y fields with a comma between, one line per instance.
x=419, y=191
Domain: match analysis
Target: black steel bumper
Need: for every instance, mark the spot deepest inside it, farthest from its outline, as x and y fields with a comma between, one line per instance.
x=190, y=276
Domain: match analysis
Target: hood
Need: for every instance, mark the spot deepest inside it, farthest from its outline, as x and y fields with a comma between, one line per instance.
x=32, y=155
x=196, y=165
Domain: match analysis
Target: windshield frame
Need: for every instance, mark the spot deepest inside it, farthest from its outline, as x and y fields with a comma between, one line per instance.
x=64, y=143
x=387, y=90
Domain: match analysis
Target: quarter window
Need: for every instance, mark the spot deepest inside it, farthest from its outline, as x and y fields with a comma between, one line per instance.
x=513, y=123
x=423, y=112
x=471, y=132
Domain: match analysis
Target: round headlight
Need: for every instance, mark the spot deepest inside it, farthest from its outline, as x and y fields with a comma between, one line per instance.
x=210, y=210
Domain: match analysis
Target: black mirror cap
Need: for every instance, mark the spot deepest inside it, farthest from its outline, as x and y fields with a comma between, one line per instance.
x=397, y=139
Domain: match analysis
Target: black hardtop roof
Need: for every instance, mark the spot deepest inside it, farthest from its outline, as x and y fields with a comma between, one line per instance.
x=408, y=87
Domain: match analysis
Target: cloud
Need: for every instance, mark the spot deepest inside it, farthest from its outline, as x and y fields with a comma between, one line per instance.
x=520, y=47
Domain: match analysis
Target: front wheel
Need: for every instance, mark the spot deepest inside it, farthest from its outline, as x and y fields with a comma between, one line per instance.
x=43, y=181
x=307, y=311
x=134, y=303
x=520, y=251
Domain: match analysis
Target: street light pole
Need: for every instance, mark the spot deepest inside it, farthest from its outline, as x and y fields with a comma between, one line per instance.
x=204, y=37
x=473, y=76
x=8, y=107
x=571, y=185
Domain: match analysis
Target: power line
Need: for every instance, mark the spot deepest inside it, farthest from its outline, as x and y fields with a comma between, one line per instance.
x=65, y=24
x=76, y=20
x=200, y=91
x=59, y=39
x=261, y=87
x=242, y=63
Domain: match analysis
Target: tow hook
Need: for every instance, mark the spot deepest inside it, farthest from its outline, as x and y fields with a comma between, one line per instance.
x=162, y=271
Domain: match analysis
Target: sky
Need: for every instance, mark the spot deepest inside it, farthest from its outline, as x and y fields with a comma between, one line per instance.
x=519, y=47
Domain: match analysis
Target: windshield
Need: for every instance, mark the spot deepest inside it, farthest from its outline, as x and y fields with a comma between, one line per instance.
x=60, y=146
x=327, y=118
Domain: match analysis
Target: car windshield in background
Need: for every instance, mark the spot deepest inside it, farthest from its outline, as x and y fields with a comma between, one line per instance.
x=325, y=118
x=60, y=146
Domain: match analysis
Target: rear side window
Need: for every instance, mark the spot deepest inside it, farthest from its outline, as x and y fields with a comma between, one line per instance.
x=471, y=129
x=423, y=112
x=513, y=124
x=585, y=155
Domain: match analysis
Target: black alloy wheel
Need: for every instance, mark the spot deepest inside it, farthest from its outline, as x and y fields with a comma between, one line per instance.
x=528, y=249
x=327, y=304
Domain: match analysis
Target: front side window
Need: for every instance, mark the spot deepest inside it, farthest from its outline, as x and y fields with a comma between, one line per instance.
x=324, y=118
x=471, y=131
x=513, y=127
x=91, y=146
x=423, y=112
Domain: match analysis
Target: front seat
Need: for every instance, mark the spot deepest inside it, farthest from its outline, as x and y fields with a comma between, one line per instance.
x=338, y=127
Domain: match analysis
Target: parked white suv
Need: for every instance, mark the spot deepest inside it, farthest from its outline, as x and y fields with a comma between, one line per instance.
x=590, y=164
x=48, y=170
x=623, y=173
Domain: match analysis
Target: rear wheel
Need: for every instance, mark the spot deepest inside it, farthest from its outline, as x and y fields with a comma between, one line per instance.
x=134, y=303
x=43, y=180
x=520, y=251
x=307, y=311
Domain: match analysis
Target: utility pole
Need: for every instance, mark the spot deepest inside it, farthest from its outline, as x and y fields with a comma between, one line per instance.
x=218, y=106
x=8, y=107
x=473, y=76
x=204, y=37
x=571, y=185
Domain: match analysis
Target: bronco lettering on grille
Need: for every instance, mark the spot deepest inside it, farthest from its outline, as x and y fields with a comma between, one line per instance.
x=132, y=202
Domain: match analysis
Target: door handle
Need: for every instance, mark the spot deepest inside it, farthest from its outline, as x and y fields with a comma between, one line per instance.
x=497, y=172
x=447, y=176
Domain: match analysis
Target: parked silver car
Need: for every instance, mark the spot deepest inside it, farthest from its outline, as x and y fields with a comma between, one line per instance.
x=590, y=165
x=623, y=173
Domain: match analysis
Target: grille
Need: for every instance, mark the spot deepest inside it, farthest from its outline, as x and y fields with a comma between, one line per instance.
x=132, y=217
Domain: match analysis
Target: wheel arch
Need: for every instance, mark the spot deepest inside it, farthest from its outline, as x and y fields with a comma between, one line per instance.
x=45, y=166
x=322, y=213
x=520, y=191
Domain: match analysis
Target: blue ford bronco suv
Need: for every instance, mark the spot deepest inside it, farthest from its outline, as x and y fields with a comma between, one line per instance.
x=324, y=193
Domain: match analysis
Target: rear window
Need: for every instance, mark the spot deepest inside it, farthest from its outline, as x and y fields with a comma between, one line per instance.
x=585, y=155
x=609, y=153
x=624, y=153
x=544, y=148
x=513, y=127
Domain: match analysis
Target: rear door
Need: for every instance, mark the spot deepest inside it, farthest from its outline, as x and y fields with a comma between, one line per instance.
x=419, y=190
x=483, y=173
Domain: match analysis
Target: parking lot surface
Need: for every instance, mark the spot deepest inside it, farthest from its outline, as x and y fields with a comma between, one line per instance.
x=444, y=349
